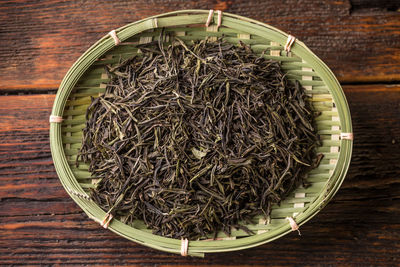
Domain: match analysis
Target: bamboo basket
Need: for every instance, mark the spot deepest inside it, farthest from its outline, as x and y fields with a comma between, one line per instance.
x=87, y=78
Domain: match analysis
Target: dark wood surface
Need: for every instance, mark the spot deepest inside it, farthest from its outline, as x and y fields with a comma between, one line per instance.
x=40, y=224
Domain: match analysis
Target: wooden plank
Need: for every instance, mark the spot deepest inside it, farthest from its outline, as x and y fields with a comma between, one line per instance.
x=40, y=224
x=335, y=237
x=41, y=40
x=25, y=161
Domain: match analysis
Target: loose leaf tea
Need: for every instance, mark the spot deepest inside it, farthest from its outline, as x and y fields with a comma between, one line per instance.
x=197, y=138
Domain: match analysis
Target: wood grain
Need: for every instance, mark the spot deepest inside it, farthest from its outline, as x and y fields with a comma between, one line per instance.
x=40, y=224
x=40, y=40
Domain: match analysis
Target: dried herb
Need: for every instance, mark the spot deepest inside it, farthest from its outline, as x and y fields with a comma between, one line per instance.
x=197, y=138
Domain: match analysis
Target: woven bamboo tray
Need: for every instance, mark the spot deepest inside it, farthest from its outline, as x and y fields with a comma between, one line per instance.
x=87, y=78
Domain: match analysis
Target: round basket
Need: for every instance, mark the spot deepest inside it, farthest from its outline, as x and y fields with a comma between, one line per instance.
x=87, y=79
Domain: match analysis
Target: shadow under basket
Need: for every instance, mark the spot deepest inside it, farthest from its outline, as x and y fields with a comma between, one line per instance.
x=87, y=79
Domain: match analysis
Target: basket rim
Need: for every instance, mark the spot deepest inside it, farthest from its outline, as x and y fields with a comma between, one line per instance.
x=187, y=17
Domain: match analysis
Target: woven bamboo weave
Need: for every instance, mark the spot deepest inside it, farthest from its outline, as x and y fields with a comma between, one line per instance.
x=87, y=78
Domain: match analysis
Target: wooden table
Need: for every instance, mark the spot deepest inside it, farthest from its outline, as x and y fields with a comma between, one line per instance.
x=40, y=224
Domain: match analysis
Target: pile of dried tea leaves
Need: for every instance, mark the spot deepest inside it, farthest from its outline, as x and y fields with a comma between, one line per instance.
x=197, y=138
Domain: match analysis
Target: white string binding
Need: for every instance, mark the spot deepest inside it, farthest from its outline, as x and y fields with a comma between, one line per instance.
x=219, y=12
x=289, y=43
x=210, y=14
x=346, y=136
x=107, y=219
x=184, y=247
x=155, y=23
x=113, y=34
x=56, y=119
x=293, y=224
